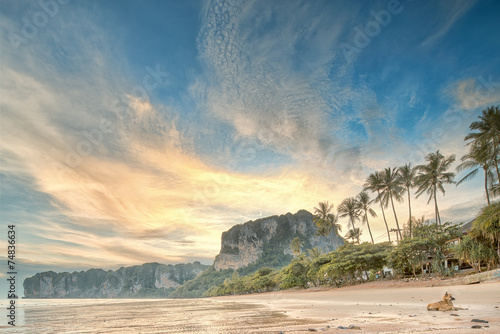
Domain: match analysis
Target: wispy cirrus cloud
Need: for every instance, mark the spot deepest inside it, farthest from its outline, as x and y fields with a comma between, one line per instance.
x=452, y=11
x=255, y=82
x=269, y=118
x=120, y=175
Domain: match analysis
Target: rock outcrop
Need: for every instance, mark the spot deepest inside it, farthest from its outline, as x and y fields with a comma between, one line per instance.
x=147, y=280
x=268, y=239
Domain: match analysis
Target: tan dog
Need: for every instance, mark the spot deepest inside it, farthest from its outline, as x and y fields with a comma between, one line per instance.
x=444, y=305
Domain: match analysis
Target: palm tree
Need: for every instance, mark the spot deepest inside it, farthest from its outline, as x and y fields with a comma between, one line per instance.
x=479, y=156
x=354, y=234
x=334, y=228
x=374, y=184
x=407, y=177
x=391, y=189
x=432, y=176
x=349, y=208
x=314, y=253
x=487, y=225
x=296, y=246
x=326, y=221
x=364, y=205
x=489, y=130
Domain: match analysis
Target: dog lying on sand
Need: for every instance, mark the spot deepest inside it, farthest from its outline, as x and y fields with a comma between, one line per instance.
x=444, y=305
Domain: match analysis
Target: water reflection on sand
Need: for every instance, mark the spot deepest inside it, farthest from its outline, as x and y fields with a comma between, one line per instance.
x=146, y=316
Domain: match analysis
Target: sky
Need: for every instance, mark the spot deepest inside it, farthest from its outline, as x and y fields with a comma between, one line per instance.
x=139, y=131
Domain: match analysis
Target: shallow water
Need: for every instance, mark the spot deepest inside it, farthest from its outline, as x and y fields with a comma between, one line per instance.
x=144, y=316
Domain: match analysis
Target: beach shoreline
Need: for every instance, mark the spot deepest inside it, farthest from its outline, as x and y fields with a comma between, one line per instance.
x=382, y=307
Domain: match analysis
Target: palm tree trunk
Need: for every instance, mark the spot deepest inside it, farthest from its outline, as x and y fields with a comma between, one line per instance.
x=436, y=210
x=353, y=230
x=495, y=144
x=369, y=230
x=409, y=209
x=498, y=249
x=395, y=217
x=486, y=185
x=383, y=215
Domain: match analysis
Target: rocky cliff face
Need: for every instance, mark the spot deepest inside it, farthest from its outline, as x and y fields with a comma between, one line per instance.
x=268, y=239
x=147, y=280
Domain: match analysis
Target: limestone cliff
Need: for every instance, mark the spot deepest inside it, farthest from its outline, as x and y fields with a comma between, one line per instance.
x=147, y=280
x=267, y=241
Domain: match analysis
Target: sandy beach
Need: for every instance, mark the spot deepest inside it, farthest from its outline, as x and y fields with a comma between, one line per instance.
x=378, y=307
x=383, y=307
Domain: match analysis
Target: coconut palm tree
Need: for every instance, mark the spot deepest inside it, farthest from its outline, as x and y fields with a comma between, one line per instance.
x=364, y=203
x=432, y=177
x=334, y=228
x=296, y=246
x=489, y=130
x=314, y=253
x=479, y=157
x=349, y=208
x=391, y=189
x=407, y=178
x=487, y=225
x=353, y=234
x=374, y=184
x=326, y=221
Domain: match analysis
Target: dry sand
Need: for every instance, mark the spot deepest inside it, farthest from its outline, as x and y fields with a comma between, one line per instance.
x=382, y=307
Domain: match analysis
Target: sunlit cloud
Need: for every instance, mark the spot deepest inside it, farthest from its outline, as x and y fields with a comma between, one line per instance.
x=103, y=166
x=474, y=93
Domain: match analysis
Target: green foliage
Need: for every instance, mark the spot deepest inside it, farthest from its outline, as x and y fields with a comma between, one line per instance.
x=199, y=286
x=429, y=242
x=296, y=245
x=484, y=237
x=295, y=274
x=487, y=224
x=473, y=251
x=262, y=280
x=349, y=262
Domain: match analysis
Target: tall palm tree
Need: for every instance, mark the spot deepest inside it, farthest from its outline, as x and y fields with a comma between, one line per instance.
x=407, y=177
x=354, y=234
x=432, y=177
x=296, y=246
x=487, y=225
x=489, y=130
x=391, y=189
x=349, y=208
x=374, y=184
x=364, y=203
x=334, y=228
x=326, y=221
x=479, y=156
x=314, y=253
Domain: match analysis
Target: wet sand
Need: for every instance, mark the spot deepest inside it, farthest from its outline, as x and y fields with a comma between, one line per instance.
x=384, y=308
x=381, y=307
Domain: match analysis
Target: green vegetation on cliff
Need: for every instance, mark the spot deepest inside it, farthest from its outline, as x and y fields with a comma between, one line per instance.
x=349, y=263
x=144, y=281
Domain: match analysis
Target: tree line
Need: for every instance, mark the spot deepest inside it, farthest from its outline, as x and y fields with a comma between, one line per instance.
x=419, y=241
x=395, y=183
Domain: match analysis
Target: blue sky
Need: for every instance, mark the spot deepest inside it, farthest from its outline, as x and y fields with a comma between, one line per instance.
x=137, y=131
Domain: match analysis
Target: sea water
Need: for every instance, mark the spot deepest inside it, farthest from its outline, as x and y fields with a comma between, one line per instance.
x=142, y=316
